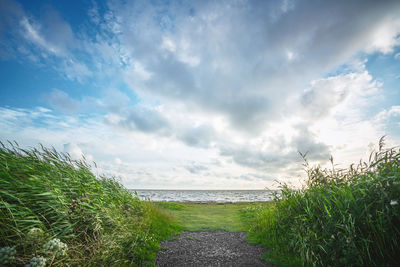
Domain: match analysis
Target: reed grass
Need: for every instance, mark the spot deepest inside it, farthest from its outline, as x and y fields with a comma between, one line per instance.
x=341, y=217
x=46, y=196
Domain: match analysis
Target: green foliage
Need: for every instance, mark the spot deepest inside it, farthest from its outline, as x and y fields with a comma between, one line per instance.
x=346, y=217
x=51, y=203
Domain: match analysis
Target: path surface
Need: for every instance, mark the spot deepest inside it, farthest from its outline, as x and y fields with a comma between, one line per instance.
x=210, y=248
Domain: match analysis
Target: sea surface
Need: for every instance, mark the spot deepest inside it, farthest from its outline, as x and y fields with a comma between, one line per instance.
x=220, y=196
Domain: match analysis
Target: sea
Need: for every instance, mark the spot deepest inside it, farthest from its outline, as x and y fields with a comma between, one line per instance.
x=218, y=196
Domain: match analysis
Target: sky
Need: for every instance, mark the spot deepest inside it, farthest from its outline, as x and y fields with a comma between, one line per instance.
x=201, y=94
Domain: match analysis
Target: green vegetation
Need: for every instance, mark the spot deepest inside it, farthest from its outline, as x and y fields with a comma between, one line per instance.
x=200, y=216
x=55, y=212
x=348, y=217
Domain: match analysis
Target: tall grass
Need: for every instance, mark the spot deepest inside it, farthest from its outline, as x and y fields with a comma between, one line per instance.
x=48, y=198
x=341, y=217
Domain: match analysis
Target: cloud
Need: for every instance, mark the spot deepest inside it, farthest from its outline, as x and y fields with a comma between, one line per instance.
x=198, y=136
x=52, y=34
x=242, y=68
x=62, y=101
x=117, y=161
x=389, y=120
x=247, y=84
x=115, y=101
x=140, y=161
x=264, y=156
x=394, y=111
x=195, y=168
x=75, y=70
x=325, y=95
x=148, y=120
x=305, y=142
x=31, y=31
x=94, y=13
x=46, y=41
x=73, y=150
x=255, y=55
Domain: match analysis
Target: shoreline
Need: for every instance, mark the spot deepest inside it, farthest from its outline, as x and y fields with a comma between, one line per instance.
x=213, y=202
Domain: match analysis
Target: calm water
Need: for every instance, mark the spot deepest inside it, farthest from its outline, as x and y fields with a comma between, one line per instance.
x=205, y=195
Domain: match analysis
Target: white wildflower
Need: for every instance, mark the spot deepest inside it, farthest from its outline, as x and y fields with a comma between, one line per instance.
x=34, y=234
x=56, y=247
x=38, y=261
x=7, y=255
x=394, y=202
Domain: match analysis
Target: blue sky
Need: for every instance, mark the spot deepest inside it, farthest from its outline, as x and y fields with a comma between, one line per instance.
x=201, y=94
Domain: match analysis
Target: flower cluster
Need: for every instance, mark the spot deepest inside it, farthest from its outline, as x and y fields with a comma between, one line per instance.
x=38, y=261
x=34, y=234
x=7, y=255
x=56, y=247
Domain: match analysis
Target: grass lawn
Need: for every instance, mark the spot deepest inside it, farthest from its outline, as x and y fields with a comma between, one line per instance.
x=199, y=216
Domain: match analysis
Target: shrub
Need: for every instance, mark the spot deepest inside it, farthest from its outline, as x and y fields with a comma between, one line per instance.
x=346, y=217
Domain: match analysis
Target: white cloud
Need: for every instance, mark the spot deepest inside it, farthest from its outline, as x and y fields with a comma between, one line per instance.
x=45, y=41
x=73, y=150
x=53, y=35
x=246, y=84
x=32, y=34
x=327, y=96
x=118, y=161
x=168, y=44
x=385, y=35
x=60, y=100
x=385, y=114
x=75, y=70
x=246, y=66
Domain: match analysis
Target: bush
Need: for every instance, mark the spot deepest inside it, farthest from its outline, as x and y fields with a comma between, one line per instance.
x=54, y=211
x=348, y=217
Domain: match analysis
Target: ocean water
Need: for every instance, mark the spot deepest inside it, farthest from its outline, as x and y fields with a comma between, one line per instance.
x=220, y=196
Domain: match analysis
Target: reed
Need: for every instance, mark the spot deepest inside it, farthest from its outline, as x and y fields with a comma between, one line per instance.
x=54, y=211
x=341, y=217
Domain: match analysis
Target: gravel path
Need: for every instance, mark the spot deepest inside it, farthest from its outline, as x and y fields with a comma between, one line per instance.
x=210, y=248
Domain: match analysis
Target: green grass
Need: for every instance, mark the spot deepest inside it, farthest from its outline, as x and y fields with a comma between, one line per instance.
x=200, y=216
x=48, y=198
x=342, y=217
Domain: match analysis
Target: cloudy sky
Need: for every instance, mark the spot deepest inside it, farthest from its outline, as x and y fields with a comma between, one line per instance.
x=201, y=94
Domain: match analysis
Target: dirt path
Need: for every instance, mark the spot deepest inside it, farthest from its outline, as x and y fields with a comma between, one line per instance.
x=210, y=248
